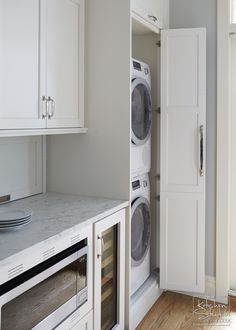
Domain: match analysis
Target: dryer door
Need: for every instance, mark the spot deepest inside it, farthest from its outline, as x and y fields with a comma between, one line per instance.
x=140, y=230
x=141, y=111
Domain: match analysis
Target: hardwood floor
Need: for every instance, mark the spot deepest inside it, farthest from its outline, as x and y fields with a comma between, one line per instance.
x=175, y=311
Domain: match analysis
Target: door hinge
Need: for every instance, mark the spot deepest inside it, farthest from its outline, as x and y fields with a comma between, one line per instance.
x=158, y=43
x=158, y=177
x=158, y=198
x=158, y=110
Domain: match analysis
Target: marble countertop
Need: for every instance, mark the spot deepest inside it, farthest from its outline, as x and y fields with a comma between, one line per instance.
x=53, y=215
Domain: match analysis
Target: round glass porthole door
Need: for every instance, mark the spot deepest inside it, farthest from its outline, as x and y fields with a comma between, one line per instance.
x=141, y=111
x=140, y=230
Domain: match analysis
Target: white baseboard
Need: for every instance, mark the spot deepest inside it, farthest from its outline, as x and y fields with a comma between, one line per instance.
x=143, y=300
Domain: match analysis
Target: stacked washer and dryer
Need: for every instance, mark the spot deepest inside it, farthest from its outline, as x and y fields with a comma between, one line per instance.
x=140, y=168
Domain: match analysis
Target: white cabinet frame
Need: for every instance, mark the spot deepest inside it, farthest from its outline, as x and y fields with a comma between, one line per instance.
x=35, y=120
x=223, y=210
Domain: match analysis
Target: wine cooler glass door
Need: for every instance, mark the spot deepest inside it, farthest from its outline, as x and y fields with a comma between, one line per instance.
x=109, y=268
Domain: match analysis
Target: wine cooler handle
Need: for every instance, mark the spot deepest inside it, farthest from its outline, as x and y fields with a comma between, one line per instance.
x=99, y=246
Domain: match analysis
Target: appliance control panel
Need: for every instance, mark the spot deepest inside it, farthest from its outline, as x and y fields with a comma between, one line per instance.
x=140, y=182
x=82, y=297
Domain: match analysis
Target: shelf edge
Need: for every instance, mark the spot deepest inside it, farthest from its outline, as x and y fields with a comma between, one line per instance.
x=34, y=132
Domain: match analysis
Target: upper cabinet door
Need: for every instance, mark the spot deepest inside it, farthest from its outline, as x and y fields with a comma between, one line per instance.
x=19, y=65
x=183, y=127
x=155, y=12
x=63, y=62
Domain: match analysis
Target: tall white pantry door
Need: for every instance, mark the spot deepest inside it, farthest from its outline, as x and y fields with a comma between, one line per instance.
x=183, y=129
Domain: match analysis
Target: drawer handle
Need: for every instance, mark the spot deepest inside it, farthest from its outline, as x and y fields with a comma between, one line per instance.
x=152, y=17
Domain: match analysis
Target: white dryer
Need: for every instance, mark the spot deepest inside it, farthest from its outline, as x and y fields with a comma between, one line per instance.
x=140, y=231
x=141, y=118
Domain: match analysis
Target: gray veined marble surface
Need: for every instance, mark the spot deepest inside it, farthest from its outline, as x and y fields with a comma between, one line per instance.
x=53, y=214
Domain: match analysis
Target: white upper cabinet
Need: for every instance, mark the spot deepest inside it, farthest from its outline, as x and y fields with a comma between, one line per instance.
x=41, y=64
x=183, y=128
x=19, y=64
x=155, y=12
x=62, y=62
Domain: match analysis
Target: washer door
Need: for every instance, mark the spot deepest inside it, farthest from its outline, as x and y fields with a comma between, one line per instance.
x=141, y=111
x=140, y=230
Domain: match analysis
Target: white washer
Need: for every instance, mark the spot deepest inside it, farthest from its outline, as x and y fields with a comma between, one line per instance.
x=141, y=118
x=140, y=231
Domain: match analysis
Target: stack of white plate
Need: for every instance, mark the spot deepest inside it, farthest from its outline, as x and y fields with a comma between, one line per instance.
x=13, y=218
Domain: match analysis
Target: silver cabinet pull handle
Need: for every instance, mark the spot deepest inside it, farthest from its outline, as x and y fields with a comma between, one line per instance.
x=52, y=107
x=154, y=18
x=99, y=246
x=45, y=107
x=201, y=151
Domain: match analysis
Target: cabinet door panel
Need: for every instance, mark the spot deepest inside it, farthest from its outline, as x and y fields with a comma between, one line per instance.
x=181, y=164
x=155, y=9
x=140, y=7
x=183, y=123
x=182, y=250
x=183, y=108
x=19, y=64
x=64, y=58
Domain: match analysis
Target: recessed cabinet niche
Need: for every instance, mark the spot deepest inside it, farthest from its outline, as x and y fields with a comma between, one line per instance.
x=41, y=64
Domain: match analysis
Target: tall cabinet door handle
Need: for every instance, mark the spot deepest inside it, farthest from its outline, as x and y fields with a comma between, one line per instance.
x=201, y=170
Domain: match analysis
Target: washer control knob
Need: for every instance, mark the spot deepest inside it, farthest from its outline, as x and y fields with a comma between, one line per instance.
x=145, y=183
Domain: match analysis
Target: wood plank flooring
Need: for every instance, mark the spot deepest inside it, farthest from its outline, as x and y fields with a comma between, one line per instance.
x=175, y=311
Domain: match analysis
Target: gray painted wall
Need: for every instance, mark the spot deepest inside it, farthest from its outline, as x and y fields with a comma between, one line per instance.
x=203, y=13
x=98, y=163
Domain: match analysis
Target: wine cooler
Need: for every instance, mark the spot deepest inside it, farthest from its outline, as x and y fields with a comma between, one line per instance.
x=109, y=278
x=109, y=272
